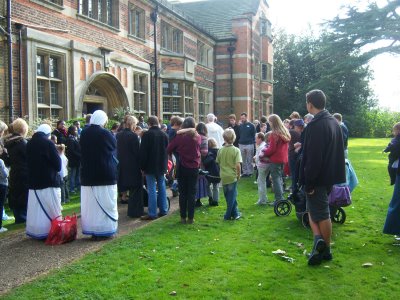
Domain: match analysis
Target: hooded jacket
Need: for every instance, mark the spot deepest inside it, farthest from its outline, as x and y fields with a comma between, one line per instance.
x=323, y=162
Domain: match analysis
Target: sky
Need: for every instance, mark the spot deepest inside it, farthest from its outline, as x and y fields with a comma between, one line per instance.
x=301, y=16
x=305, y=15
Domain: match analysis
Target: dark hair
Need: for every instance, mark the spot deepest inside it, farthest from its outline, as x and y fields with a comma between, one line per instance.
x=152, y=121
x=188, y=123
x=59, y=122
x=261, y=136
x=175, y=120
x=115, y=126
x=71, y=129
x=77, y=122
x=263, y=119
x=243, y=114
x=87, y=118
x=201, y=129
x=317, y=98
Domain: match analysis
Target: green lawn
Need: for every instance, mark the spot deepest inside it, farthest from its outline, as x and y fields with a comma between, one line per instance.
x=213, y=259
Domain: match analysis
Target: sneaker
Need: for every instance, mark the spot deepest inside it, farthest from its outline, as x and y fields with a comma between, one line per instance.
x=190, y=221
x=7, y=218
x=317, y=254
x=160, y=215
x=238, y=217
x=198, y=203
x=327, y=254
x=3, y=229
x=214, y=203
x=183, y=220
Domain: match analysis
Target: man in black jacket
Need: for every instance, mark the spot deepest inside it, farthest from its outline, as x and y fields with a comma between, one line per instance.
x=153, y=163
x=322, y=166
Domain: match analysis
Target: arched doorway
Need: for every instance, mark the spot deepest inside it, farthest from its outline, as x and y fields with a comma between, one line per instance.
x=102, y=91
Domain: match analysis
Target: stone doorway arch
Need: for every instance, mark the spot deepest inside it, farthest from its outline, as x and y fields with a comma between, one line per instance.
x=102, y=91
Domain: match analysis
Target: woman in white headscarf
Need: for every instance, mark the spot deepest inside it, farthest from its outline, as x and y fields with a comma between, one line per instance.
x=99, y=213
x=44, y=198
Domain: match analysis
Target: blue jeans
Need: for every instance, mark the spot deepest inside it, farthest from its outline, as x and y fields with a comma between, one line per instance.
x=3, y=194
x=74, y=180
x=230, y=193
x=156, y=199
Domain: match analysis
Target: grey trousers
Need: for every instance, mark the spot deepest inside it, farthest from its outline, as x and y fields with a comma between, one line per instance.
x=247, y=152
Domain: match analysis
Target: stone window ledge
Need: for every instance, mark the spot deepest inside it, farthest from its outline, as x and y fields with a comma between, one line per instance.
x=97, y=23
x=49, y=5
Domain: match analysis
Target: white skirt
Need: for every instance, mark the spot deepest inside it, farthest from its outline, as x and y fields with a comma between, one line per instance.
x=38, y=218
x=99, y=211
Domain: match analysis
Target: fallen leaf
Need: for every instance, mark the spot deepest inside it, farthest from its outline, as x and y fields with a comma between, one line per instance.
x=305, y=252
x=288, y=259
x=327, y=267
x=173, y=293
x=279, y=252
x=384, y=278
x=367, y=265
x=259, y=284
x=150, y=269
x=212, y=252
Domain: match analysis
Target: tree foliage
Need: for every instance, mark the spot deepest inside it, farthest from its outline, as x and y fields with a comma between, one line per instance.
x=302, y=63
x=362, y=30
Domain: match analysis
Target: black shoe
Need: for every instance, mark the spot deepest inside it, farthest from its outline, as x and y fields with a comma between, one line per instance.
x=160, y=215
x=327, y=254
x=198, y=203
x=175, y=193
x=316, y=255
x=123, y=201
x=214, y=203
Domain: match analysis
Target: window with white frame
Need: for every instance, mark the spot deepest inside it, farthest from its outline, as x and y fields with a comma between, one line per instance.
x=189, y=100
x=171, y=38
x=266, y=72
x=177, y=99
x=205, y=55
x=104, y=11
x=204, y=103
x=58, y=2
x=140, y=93
x=49, y=86
x=265, y=28
x=137, y=22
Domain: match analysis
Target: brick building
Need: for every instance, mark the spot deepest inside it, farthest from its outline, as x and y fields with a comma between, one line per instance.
x=71, y=57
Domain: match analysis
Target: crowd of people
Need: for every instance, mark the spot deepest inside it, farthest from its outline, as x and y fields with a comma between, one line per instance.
x=130, y=163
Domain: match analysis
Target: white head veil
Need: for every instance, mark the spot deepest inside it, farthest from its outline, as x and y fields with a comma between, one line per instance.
x=99, y=117
x=45, y=128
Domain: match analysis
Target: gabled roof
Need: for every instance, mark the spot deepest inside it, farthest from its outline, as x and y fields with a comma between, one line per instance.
x=216, y=15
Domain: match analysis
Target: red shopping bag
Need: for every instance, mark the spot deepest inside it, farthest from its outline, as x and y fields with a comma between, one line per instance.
x=62, y=231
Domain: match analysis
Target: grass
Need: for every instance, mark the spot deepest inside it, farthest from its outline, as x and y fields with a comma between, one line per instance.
x=213, y=259
x=73, y=206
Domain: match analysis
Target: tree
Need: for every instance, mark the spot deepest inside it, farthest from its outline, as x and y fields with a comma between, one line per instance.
x=302, y=63
x=362, y=30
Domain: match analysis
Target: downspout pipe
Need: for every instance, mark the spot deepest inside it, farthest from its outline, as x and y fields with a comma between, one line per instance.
x=154, y=17
x=231, y=49
x=10, y=57
x=20, y=27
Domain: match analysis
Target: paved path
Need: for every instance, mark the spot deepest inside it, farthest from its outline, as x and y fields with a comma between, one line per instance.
x=23, y=258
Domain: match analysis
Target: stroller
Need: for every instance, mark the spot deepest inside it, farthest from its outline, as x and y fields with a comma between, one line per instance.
x=339, y=197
